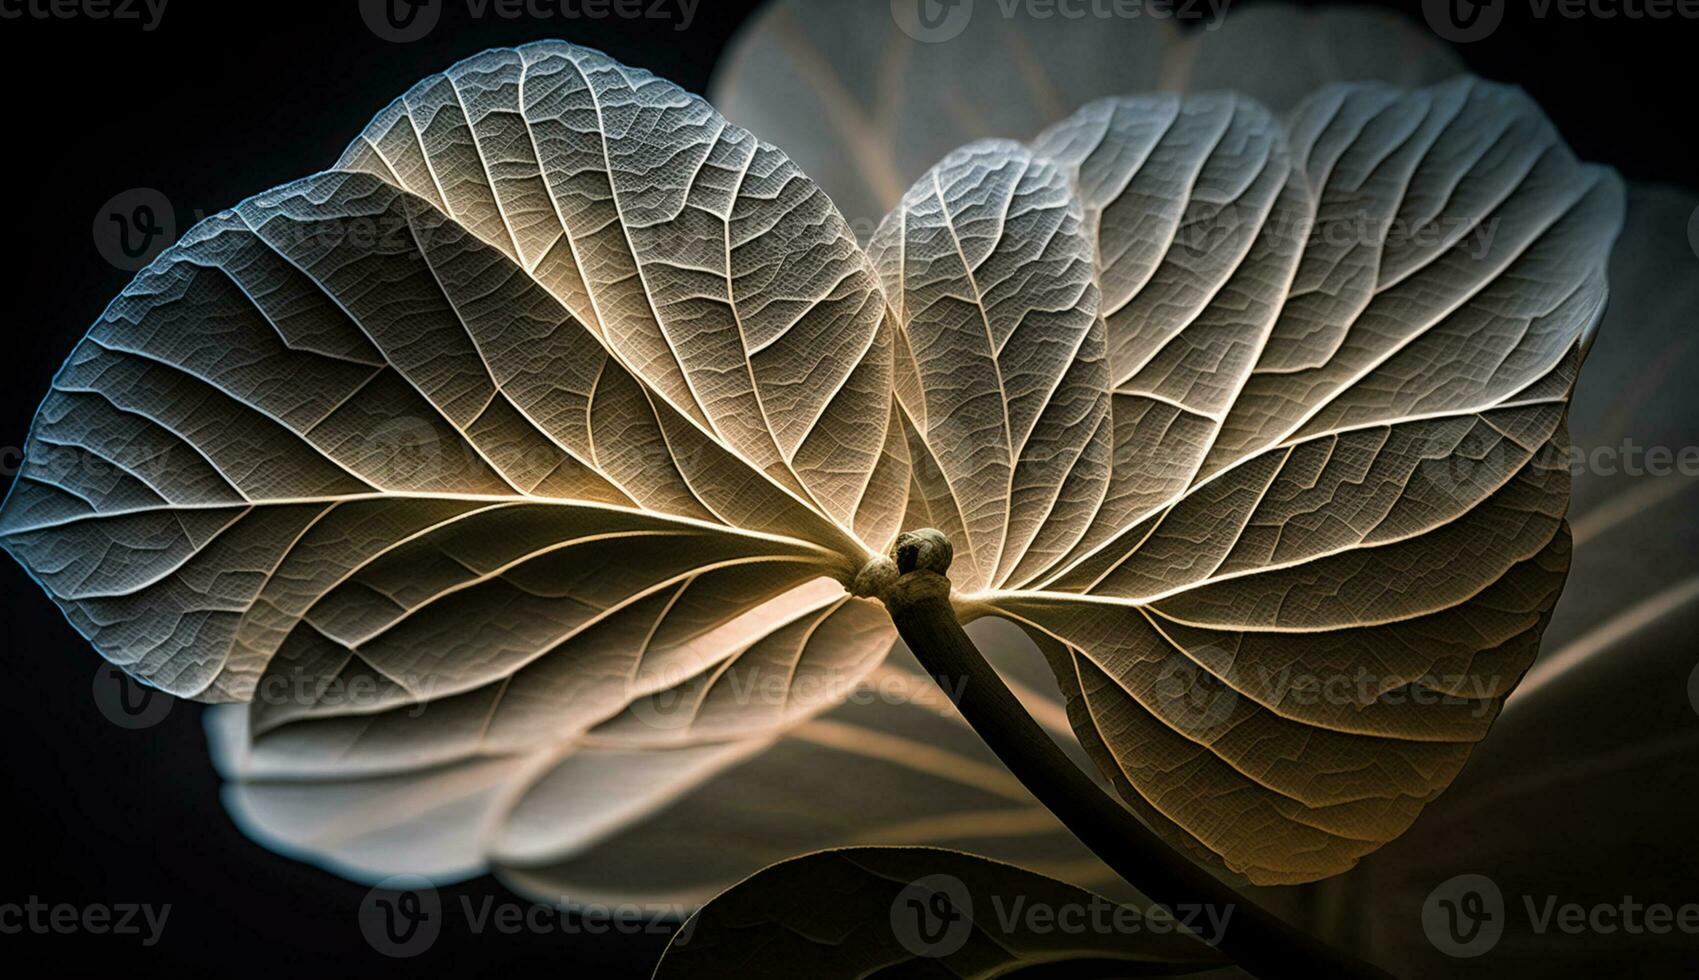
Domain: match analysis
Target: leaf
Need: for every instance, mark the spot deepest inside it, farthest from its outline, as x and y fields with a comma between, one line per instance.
x=1636, y=469
x=573, y=429
x=866, y=108
x=859, y=911
x=602, y=816
x=563, y=402
x=1001, y=367
x=1595, y=746
x=782, y=661
x=703, y=257
x=1614, y=656
x=1332, y=526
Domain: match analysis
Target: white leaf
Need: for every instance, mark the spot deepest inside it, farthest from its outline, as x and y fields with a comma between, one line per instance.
x=336, y=435
x=625, y=814
x=1333, y=523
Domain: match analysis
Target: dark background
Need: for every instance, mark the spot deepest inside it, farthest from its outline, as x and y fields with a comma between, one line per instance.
x=223, y=100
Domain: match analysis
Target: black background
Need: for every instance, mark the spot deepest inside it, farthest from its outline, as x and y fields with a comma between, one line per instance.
x=225, y=99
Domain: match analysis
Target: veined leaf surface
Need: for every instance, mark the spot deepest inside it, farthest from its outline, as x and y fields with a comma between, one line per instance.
x=1339, y=355
x=349, y=432
x=1226, y=412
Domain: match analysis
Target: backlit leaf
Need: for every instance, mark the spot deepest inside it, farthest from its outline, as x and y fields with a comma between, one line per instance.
x=1332, y=524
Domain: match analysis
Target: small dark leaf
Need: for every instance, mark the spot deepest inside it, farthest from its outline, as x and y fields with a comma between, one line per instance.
x=928, y=912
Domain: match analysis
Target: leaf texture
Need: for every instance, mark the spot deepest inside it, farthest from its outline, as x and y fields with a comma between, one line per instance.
x=1331, y=528
x=1004, y=375
x=625, y=813
x=550, y=421
x=1614, y=657
x=363, y=430
x=1594, y=745
x=703, y=257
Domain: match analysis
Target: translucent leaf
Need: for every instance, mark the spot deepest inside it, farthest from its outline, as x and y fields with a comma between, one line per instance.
x=561, y=418
x=866, y=107
x=628, y=813
x=1332, y=524
x=1595, y=746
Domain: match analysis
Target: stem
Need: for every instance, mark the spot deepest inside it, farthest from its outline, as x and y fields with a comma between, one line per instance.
x=1264, y=944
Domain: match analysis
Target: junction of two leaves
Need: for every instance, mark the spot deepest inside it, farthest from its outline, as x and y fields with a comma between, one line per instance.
x=559, y=395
